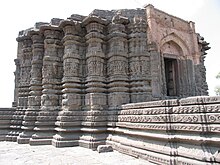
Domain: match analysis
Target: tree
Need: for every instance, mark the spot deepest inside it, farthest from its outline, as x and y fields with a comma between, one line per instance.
x=217, y=88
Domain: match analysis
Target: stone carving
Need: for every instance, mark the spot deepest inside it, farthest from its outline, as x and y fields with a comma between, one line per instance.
x=139, y=61
x=95, y=67
x=117, y=67
x=73, y=77
x=179, y=121
x=71, y=68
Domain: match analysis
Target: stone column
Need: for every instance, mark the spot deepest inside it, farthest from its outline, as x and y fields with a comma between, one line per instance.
x=51, y=84
x=139, y=62
x=118, y=86
x=34, y=100
x=25, y=57
x=96, y=98
x=69, y=119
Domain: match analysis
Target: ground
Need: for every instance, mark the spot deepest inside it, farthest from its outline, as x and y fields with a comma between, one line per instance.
x=23, y=154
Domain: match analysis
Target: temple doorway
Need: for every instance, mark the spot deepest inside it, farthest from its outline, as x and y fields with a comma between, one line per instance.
x=171, y=76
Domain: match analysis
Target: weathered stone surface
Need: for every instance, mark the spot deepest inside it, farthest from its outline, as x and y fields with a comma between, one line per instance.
x=183, y=131
x=127, y=78
x=104, y=148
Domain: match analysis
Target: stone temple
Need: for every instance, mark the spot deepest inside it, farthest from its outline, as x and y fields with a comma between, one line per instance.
x=133, y=79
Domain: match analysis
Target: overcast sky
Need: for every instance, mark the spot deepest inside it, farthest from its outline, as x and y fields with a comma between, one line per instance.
x=16, y=15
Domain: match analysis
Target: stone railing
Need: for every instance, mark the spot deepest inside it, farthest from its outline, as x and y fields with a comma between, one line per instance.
x=5, y=122
x=185, y=131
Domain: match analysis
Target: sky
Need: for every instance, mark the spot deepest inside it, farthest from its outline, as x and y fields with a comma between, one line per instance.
x=18, y=15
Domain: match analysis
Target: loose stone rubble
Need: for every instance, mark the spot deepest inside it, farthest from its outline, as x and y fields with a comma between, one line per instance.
x=123, y=78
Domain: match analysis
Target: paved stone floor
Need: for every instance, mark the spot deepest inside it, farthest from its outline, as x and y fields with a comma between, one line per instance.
x=23, y=154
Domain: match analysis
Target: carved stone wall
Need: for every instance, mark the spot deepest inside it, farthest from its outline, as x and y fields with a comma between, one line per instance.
x=184, y=131
x=139, y=62
x=22, y=83
x=117, y=69
x=72, y=99
x=34, y=98
x=73, y=76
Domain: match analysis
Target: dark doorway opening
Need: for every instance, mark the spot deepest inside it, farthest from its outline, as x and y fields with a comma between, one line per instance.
x=171, y=76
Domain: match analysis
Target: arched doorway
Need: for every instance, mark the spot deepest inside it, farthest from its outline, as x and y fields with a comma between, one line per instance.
x=171, y=53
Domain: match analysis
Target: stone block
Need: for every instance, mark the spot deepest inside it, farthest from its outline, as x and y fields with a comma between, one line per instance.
x=200, y=100
x=104, y=148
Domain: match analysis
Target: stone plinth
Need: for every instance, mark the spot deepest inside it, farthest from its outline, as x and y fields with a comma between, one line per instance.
x=169, y=131
x=5, y=123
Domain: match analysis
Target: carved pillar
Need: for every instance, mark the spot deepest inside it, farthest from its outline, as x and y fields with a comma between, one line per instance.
x=139, y=62
x=69, y=119
x=17, y=71
x=96, y=97
x=25, y=56
x=34, y=99
x=16, y=81
x=24, y=83
x=51, y=84
x=118, y=63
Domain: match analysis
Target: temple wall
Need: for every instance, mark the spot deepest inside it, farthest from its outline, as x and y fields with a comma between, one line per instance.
x=184, y=131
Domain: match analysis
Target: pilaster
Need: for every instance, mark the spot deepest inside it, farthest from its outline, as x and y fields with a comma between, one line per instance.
x=34, y=98
x=139, y=62
x=117, y=68
x=94, y=125
x=24, y=66
x=69, y=119
x=52, y=72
